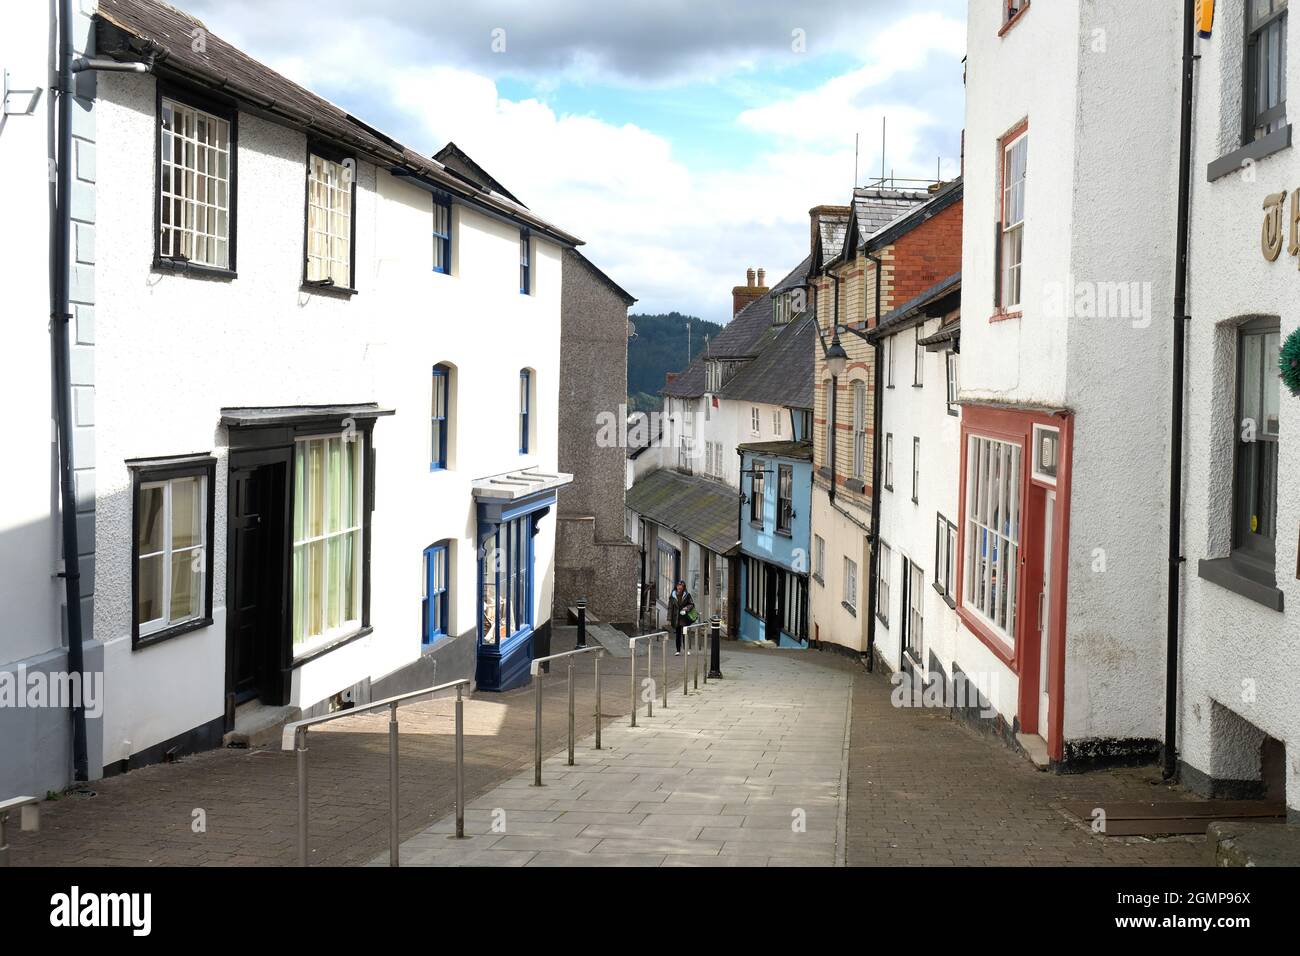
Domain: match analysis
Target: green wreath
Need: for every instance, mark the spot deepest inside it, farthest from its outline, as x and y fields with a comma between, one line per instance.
x=1288, y=362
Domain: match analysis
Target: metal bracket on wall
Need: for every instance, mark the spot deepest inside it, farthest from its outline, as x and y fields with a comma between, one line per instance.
x=13, y=99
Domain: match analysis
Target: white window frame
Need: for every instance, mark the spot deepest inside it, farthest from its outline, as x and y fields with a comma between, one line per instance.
x=354, y=445
x=992, y=533
x=330, y=186
x=889, y=361
x=918, y=360
x=776, y=423
x=851, y=584
x=753, y=419
x=167, y=552
x=859, y=429
x=1041, y=431
x=819, y=559
x=883, y=560
x=194, y=221
x=916, y=468
x=1012, y=237
x=889, y=461
x=952, y=368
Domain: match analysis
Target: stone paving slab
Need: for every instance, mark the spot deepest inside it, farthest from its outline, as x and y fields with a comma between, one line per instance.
x=662, y=787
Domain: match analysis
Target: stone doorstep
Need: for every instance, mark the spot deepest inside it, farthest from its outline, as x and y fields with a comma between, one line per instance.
x=1035, y=747
x=260, y=725
x=1239, y=843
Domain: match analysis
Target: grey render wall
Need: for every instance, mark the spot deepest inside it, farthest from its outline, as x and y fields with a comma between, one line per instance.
x=593, y=557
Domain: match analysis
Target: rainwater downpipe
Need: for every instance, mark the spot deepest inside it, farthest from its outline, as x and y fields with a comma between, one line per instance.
x=1176, y=414
x=878, y=400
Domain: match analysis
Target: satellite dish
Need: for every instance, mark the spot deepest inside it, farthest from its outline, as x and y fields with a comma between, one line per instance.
x=631, y=329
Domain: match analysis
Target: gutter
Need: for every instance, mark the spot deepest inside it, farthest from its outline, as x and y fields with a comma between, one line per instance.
x=1177, y=388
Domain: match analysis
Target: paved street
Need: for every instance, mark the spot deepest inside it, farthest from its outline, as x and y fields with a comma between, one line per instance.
x=796, y=758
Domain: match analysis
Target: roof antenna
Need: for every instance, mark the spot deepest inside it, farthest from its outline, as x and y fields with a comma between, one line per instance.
x=883, y=120
x=855, y=160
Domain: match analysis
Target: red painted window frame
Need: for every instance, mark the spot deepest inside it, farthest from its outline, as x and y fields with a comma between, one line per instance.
x=1011, y=21
x=1017, y=426
x=1000, y=312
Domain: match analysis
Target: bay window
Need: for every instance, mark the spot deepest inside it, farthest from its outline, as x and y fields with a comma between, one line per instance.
x=506, y=573
x=327, y=539
x=196, y=183
x=992, y=533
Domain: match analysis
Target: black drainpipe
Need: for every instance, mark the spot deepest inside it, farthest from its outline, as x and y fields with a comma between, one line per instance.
x=874, y=537
x=60, y=316
x=1176, y=416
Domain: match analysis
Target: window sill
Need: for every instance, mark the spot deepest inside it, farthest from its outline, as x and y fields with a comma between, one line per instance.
x=1003, y=315
x=193, y=270
x=947, y=598
x=333, y=645
x=856, y=485
x=1252, y=152
x=140, y=641
x=918, y=384
x=819, y=580
x=849, y=607
x=1240, y=577
x=756, y=525
x=883, y=620
x=785, y=533
x=337, y=291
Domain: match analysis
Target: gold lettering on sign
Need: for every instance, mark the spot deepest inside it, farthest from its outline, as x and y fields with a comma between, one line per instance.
x=1270, y=237
x=1293, y=247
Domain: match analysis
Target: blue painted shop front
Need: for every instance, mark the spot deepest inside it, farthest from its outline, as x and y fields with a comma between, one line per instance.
x=775, y=535
x=508, y=636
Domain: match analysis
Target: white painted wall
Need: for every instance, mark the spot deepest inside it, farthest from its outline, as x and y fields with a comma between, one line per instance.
x=30, y=594
x=1235, y=652
x=1097, y=81
x=173, y=351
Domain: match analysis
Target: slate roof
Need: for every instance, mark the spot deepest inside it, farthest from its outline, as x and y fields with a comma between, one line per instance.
x=876, y=207
x=748, y=334
x=148, y=30
x=463, y=164
x=705, y=511
x=937, y=202
x=780, y=449
x=832, y=230
x=783, y=373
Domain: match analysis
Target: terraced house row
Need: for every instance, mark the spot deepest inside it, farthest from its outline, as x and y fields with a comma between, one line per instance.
x=311, y=453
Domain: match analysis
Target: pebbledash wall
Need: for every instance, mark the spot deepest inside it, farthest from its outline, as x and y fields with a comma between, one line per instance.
x=173, y=351
x=1103, y=95
x=1239, y=658
x=35, y=742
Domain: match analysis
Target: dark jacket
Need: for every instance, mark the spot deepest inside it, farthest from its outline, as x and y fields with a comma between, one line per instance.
x=677, y=607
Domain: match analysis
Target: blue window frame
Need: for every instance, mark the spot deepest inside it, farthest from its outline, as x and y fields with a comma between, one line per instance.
x=525, y=386
x=438, y=418
x=441, y=236
x=436, y=593
x=506, y=582
x=525, y=265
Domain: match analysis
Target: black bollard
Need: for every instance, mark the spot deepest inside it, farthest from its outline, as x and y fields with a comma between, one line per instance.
x=715, y=651
x=582, y=622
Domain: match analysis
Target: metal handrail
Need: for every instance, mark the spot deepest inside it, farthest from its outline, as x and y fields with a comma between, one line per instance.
x=294, y=737
x=695, y=642
x=535, y=669
x=30, y=820
x=662, y=637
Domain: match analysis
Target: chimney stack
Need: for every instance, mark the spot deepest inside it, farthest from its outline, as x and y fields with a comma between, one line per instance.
x=742, y=295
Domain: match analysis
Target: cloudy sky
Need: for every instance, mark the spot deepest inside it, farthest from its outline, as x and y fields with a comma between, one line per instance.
x=684, y=141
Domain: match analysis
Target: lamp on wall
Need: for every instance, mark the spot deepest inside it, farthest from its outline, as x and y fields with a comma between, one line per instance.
x=836, y=358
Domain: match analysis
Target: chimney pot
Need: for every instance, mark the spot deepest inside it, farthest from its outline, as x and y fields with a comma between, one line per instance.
x=762, y=277
x=749, y=276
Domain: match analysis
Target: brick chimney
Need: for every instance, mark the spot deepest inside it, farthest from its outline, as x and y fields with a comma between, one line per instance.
x=742, y=295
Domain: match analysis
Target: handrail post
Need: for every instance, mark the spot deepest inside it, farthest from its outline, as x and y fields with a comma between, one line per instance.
x=302, y=796
x=393, y=840
x=599, y=655
x=704, y=666
x=570, y=711
x=537, y=732
x=4, y=843
x=686, y=661
x=664, y=674
x=650, y=673
x=460, y=762
x=695, y=668
x=632, y=642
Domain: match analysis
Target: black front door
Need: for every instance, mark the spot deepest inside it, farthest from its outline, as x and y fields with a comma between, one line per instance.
x=775, y=613
x=255, y=571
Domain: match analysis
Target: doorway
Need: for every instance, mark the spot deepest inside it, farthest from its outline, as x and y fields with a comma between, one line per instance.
x=256, y=578
x=774, y=618
x=1044, y=611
